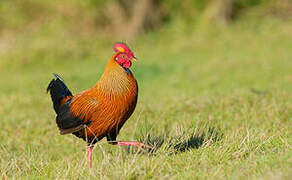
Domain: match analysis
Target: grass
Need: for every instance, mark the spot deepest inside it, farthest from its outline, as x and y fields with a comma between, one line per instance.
x=217, y=104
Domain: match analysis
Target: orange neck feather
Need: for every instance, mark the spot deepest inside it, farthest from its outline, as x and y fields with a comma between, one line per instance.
x=115, y=80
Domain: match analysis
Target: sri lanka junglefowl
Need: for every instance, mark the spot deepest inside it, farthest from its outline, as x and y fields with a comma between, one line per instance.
x=102, y=110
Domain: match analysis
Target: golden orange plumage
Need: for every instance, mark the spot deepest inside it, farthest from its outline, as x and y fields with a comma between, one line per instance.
x=102, y=110
x=109, y=103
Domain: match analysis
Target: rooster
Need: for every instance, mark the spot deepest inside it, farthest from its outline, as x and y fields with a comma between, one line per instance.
x=102, y=110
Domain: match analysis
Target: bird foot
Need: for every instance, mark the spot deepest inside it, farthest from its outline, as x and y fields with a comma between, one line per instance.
x=130, y=143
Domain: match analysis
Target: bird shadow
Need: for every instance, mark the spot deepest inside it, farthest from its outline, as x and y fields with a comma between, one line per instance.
x=180, y=143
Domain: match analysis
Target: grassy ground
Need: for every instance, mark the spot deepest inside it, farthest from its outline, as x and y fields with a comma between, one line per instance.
x=218, y=103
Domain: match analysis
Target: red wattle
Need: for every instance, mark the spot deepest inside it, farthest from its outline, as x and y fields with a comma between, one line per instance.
x=127, y=64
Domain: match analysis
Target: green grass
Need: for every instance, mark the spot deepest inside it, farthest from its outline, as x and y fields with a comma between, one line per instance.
x=219, y=99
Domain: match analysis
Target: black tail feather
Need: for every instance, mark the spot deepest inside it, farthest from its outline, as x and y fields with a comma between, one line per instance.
x=58, y=91
x=66, y=122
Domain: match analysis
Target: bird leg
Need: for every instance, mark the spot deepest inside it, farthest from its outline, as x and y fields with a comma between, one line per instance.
x=89, y=155
x=130, y=143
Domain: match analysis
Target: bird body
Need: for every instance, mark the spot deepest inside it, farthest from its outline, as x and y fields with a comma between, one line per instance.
x=108, y=104
x=103, y=108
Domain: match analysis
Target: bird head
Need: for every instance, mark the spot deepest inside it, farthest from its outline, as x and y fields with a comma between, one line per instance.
x=125, y=56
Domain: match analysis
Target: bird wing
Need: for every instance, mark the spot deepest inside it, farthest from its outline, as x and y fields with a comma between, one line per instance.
x=76, y=113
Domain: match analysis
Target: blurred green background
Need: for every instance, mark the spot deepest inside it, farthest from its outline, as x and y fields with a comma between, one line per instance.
x=166, y=35
x=219, y=64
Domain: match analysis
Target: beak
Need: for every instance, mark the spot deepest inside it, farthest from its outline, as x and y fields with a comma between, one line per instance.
x=134, y=59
